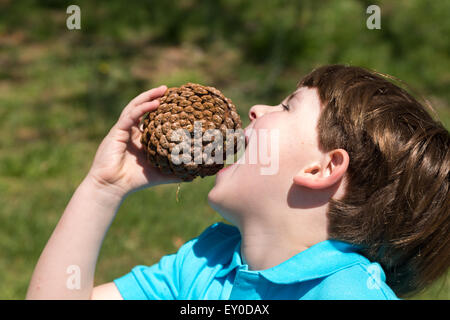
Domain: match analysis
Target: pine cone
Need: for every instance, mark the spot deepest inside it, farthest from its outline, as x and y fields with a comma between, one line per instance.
x=192, y=152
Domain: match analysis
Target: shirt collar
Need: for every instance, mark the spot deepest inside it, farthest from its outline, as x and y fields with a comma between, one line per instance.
x=235, y=261
x=320, y=260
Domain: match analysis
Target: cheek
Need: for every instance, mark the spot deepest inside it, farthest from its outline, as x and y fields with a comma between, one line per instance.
x=296, y=151
x=278, y=158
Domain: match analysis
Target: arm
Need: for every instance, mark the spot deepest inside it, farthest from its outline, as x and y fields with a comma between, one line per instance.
x=75, y=243
x=66, y=267
x=107, y=291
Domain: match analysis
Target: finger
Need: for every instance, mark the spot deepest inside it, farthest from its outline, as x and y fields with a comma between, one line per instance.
x=140, y=110
x=148, y=95
x=130, y=119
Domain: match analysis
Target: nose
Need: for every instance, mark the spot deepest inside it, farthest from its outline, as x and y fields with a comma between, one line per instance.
x=257, y=111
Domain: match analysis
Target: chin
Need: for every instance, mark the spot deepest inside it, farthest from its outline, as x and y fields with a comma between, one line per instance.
x=216, y=198
x=222, y=203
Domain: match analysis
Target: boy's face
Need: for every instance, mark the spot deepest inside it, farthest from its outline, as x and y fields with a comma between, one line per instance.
x=283, y=142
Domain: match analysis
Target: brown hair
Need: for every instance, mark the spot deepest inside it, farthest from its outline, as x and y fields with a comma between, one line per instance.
x=396, y=205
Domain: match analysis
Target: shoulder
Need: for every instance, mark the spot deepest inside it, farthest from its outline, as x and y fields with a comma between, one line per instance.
x=216, y=243
x=200, y=260
x=220, y=229
x=177, y=275
x=221, y=232
x=361, y=281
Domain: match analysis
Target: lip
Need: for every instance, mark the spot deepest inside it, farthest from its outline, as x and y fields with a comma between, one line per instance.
x=225, y=168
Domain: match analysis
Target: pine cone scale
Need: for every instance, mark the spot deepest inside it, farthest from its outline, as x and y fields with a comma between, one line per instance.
x=188, y=107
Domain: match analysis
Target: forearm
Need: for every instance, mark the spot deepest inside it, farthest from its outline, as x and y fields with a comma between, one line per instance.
x=73, y=248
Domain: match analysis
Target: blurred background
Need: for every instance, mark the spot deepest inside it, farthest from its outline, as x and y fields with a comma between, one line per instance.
x=61, y=91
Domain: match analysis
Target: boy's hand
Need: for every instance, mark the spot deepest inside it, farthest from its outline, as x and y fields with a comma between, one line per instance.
x=119, y=168
x=120, y=165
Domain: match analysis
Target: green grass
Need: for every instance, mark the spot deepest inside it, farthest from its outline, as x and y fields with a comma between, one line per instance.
x=61, y=91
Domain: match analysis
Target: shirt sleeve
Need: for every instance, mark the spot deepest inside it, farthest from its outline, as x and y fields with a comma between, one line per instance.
x=175, y=273
x=157, y=282
x=160, y=281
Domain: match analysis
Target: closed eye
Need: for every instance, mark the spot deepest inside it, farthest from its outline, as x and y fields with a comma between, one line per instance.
x=285, y=106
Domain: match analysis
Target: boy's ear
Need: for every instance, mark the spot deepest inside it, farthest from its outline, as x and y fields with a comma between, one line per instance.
x=325, y=174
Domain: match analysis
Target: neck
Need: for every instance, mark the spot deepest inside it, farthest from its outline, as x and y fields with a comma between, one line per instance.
x=265, y=245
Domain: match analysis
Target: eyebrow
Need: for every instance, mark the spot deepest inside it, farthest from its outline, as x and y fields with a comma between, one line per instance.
x=291, y=96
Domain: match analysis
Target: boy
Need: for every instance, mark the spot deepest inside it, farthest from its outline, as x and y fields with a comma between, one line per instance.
x=357, y=210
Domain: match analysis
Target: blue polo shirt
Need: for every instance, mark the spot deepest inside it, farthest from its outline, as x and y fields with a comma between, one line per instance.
x=210, y=267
